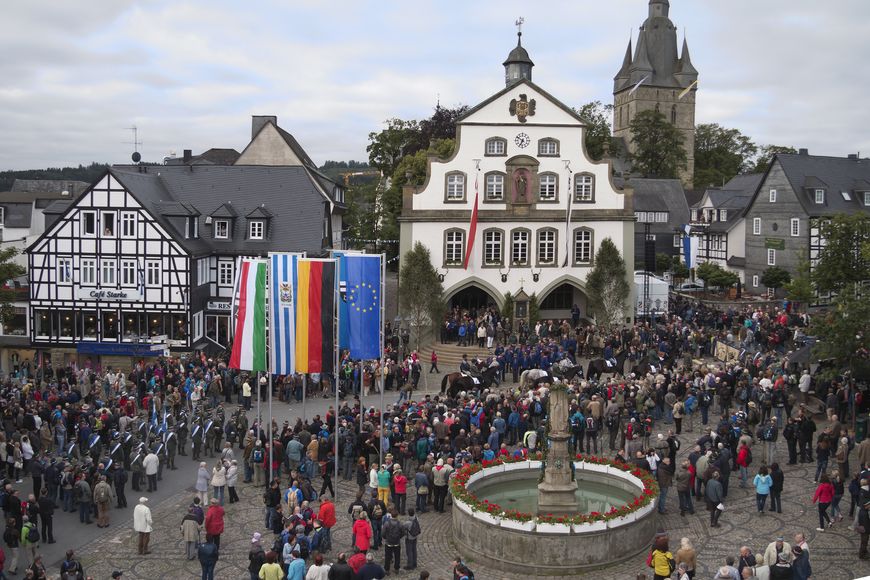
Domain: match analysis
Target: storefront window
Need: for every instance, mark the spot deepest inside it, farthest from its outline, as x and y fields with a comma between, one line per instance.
x=155, y=324
x=42, y=321
x=179, y=327
x=67, y=323
x=89, y=324
x=217, y=328
x=17, y=323
x=110, y=325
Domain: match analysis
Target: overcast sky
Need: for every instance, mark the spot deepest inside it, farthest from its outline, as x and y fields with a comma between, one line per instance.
x=75, y=74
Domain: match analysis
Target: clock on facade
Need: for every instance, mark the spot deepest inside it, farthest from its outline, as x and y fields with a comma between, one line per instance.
x=522, y=140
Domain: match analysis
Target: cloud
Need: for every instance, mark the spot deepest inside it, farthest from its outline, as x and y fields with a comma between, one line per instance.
x=190, y=73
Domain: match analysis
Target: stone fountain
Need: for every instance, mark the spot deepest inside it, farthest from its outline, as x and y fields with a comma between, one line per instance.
x=557, y=493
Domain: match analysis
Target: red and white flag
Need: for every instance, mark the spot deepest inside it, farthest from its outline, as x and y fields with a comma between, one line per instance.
x=472, y=227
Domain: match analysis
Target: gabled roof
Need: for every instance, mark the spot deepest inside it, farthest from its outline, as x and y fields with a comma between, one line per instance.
x=259, y=212
x=659, y=195
x=513, y=87
x=833, y=174
x=225, y=210
x=176, y=208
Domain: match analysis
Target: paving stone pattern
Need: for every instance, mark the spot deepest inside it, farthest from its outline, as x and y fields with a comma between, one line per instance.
x=833, y=553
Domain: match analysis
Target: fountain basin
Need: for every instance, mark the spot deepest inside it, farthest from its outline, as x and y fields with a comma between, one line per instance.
x=551, y=547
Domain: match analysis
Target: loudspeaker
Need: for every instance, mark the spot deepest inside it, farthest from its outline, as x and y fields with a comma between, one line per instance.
x=649, y=255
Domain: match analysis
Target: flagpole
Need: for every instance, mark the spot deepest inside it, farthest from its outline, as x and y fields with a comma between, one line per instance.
x=267, y=312
x=381, y=353
x=568, y=216
x=304, y=388
x=335, y=364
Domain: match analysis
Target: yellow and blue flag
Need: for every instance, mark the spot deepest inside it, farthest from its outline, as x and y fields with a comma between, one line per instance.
x=360, y=305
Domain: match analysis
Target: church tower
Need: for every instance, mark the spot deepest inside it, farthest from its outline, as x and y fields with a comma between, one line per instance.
x=518, y=65
x=654, y=78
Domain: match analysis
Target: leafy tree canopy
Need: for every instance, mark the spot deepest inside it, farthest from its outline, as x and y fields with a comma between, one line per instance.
x=421, y=293
x=765, y=156
x=607, y=287
x=8, y=271
x=775, y=277
x=720, y=154
x=658, y=145
x=800, y=289
x=842, y=261
x=597, y=117
x=715, y=276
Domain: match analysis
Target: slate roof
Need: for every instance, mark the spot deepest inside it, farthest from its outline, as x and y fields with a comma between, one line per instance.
x=659, y=195
x=50, y=187
x=292, y=199
x=16, y=215
x=518, y=54
x=833, y=174
x=735, y=197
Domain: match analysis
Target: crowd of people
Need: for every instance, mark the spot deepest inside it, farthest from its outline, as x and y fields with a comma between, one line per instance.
x=79, y=433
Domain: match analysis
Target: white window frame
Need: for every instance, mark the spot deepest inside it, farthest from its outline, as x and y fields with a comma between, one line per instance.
x=203, y=271
x=106, y=216
x=454, y=247
x=520, y=241
x=819, y=196
x=584, y=188
x=493, y=248
x=662, y=217
x=257, y=230
x=85, y=232
x=494, y=187
x=455, y=187
x=64, y=270
x=128, y=224
x=548, y=148
x=495, y=146
x=694, y=215
x=226, y=273
x=108, y=272
x=756, y=226
x=153, y=269
x=795, y=227
x=88, y=272
x=676, y=240
x=755, y=281
x=867, y=198
x=772, y=196
x=771, y=257
x=191, y=221
x=550, y=188
x=128, y=273
x=723, y=215
x=547, y=247
x=218, y=224
x=581, y=244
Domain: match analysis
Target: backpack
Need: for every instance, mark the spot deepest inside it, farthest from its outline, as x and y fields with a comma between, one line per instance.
x=258, y=455
x=611, y=421
x=590, y=424
x=102, y=495
x=32, y=534
x=415, y=528
x=377, y=511
x=537, y=408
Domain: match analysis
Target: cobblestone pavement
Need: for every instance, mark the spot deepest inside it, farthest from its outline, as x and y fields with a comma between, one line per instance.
x=833, y=553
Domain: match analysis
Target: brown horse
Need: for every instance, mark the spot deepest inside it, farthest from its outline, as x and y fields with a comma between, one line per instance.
x=453, y=383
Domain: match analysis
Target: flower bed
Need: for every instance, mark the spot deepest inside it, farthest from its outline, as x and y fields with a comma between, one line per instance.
x=494, y=513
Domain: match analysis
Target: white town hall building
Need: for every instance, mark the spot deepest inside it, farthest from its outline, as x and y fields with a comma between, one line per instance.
x=522, y=151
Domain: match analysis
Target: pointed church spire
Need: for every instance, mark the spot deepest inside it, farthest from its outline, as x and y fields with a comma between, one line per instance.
x=686, y=60
x=641, y=67
x=625, y=72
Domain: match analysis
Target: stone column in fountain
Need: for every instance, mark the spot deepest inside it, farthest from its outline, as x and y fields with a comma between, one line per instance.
x=556, y=493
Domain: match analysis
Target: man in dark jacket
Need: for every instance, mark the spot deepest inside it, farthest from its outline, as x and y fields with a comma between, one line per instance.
x=208, y=557
x=370, y=570
x=341, y=570
x=864, y=522
x=393, y=531
x=714, y=499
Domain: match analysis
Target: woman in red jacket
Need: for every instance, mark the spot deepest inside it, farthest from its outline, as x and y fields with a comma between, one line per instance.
x=824, y=496
x=214, y=522
x=362, y=532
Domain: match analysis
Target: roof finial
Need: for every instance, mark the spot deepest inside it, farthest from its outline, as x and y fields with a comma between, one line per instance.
x=519, y=25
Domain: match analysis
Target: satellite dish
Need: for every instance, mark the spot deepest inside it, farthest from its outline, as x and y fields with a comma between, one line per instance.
x=137, y=157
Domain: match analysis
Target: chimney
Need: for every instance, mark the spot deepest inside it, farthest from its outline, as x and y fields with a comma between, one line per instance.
x=258, y=121
x=803, y=151
x=853, y=157
x=188, y=155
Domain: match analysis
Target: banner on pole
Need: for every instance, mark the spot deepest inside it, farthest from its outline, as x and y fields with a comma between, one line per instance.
x=249, y=340
x=360, y=304
x=282, y=312
x=315, y=315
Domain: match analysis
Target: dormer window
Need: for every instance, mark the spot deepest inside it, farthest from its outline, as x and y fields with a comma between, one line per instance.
x=221, y=229
x=723, y=215
x=496, y=146
x=867, y=198
x=820, y=196
x=256, y=230
x=191, y=228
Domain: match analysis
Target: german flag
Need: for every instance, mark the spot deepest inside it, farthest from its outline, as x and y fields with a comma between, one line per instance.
x=315, y=315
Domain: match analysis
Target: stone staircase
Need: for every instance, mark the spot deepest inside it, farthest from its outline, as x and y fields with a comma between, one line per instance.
x=449, y=355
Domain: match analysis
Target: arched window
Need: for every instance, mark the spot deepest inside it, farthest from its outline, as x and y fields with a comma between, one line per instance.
x=547, y=247
x=495, y=147
x=583, y=246
x=674, y=115
x=584, y=188
x=548, y=187
x=548, y=147
x=494, y=187
x=454, y=189
x=493, y=247
x=454, y=247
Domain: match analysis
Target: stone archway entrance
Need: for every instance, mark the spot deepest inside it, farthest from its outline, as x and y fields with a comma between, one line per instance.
x=472, y=299
x=558, y=301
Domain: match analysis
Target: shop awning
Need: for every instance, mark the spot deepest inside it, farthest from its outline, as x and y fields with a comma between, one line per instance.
x=120, y=349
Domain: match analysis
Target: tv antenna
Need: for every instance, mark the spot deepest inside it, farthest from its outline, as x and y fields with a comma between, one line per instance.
x=137, y=157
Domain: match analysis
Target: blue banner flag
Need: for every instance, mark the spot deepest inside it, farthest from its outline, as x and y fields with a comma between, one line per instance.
x=360, y=305
x=282, y=312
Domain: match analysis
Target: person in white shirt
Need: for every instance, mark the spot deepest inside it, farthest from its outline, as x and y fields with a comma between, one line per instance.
x=151, y=463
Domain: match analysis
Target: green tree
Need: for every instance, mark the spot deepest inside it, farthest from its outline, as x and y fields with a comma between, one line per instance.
x=714, y=276
x=597, y=117
x=534, y=310
x=800, y=289
x=842, y=328
x=387, y=147
x=442, y=124
x=659, y=146
x=9, y=270
x=363, y=215
x=607, y=287
x=765, y=156
x=679, y=269
x=775, y=277
x=507, y=309
x=720, y=154
x=842, y=262
x=421, y=293
x=663, y=263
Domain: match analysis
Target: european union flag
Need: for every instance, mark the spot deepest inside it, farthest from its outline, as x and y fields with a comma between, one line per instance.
x=360, y=305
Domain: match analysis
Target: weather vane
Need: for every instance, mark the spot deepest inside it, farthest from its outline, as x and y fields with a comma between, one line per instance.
x=519, y=24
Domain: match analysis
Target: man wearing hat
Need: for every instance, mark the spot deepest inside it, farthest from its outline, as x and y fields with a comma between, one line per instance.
x=142, y=523
x=117, y=574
